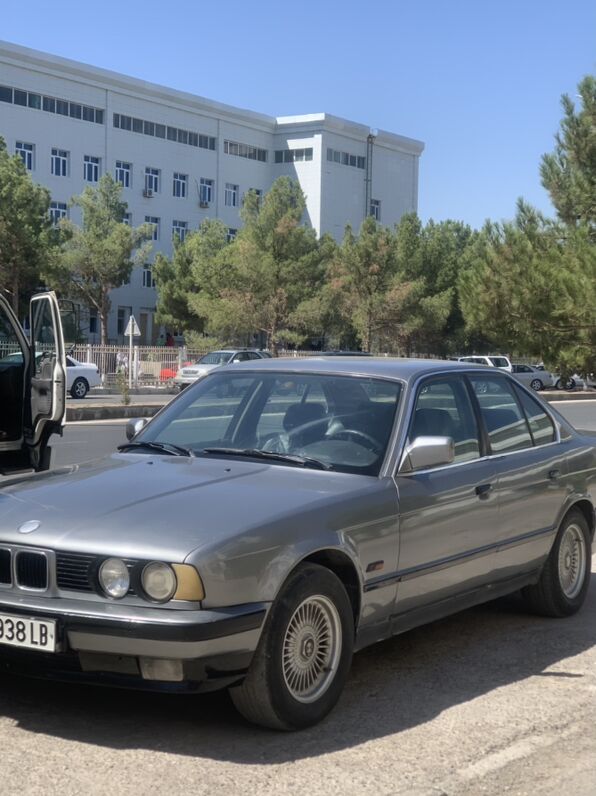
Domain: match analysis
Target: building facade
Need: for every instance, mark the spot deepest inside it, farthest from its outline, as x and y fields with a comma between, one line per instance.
x=181, y=158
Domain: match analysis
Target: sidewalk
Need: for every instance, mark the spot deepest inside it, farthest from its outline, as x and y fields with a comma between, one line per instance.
x=110, y=407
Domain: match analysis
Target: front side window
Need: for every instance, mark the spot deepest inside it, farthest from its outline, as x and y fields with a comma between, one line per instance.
x=231, y=195
x=26, y=152
x=340, y=423
x=59, y=163
x=444, y=409
x=90, y=168
x=504, y=420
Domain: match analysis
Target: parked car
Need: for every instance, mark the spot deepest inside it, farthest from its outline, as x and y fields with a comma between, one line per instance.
x=388, y=494
x=342, y=354
x=532, y=377
x=81, y=376
x=570, y=383
x=491, y=361
x=215, y=359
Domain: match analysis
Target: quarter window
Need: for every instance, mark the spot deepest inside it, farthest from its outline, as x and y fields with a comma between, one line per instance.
x=444, y=409
x=506, y=424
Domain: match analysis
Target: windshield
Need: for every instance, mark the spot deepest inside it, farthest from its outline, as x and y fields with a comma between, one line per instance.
x=215, y=358
x=341, y=422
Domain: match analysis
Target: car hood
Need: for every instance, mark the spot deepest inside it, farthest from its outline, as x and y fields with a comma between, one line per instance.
x=162, y=507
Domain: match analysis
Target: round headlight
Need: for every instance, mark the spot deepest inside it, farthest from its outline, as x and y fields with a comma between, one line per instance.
x=114, y=578
x=159, y=581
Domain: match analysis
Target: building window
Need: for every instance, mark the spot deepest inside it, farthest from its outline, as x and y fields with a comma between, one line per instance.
x=346, y=159
x=26, y=153
x=124, y=314
x=245, y=151
x=123, y=122
x=293, y=155
x=154, y=221
x=123, y=173
x=58, y=210
x=148, y=280
x=180, y=185
x=231, y=195
x=179, y=229
x=151, y=181
x=206, y=191
x=127, y=219
x=90, y=168
x=231, y=234
x=29, y=99
x=375, y=209
x=59, y=163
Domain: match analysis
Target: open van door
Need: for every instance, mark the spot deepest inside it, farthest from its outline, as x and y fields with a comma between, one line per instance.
x=32, y=384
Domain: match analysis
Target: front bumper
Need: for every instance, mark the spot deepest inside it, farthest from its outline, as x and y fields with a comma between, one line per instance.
x=112, y=643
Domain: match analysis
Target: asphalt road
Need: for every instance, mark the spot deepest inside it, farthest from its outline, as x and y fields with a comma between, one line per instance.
x=489, y=701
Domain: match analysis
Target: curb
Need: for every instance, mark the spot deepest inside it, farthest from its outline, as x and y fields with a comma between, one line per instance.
x=580, y=395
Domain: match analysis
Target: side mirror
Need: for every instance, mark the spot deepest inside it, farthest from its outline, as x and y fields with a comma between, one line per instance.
x=134, y=426
x=425, y=452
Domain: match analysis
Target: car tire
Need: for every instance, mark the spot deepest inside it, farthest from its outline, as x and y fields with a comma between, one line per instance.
x=303, y=658
x=565, y=576
x=536, y=385
x=80, y=388
x=570, y=384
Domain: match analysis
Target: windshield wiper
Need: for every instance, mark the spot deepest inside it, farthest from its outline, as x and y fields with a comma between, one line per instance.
x=256, y=453
x=160, y=447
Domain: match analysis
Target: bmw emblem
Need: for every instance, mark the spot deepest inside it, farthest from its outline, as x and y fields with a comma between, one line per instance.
x=29, y=526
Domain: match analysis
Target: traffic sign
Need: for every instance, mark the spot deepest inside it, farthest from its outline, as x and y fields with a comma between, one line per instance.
x=132, y=328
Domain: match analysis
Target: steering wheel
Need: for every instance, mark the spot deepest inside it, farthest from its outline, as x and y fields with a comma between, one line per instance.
x=359, y=436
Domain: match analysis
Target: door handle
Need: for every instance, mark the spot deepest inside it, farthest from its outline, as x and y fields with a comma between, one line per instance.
x=554, y=474
x=483, y=490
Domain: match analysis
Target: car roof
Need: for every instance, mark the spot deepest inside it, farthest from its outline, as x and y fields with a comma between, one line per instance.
x=386, y=367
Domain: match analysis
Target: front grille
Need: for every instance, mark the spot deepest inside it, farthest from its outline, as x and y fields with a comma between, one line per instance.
x=32, y=570
x=73, y=571
x=5, y=573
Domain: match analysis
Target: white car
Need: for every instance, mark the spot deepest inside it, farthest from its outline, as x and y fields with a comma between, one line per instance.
x=215, y=359
x=492, y=361
x=80, y=377
x=530, y=376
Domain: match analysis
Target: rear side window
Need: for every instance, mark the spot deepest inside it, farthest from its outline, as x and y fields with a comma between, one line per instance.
x=443, y=409
x=541, y=426
x=506, y=424
x=499, y=362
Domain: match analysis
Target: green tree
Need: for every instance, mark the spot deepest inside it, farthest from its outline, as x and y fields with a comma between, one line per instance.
x=569, y=173
x=99, y=255
x=27, y=240
x=531, y=287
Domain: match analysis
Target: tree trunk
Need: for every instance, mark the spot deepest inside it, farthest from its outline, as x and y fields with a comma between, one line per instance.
x=103, y=322
x=15, y=294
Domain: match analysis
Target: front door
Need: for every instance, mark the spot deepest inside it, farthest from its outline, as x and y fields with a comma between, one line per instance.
x=448, y=514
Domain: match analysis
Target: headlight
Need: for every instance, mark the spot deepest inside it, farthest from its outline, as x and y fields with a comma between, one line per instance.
x=114, y=578
x=159, y=581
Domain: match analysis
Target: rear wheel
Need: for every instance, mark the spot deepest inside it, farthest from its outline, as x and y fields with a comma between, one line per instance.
x=80, y=388
x=302, y=662
x=564, y=580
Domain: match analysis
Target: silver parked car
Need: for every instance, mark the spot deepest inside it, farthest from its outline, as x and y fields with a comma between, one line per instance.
x=533, y=377
x=255, y=541
x=215, y=359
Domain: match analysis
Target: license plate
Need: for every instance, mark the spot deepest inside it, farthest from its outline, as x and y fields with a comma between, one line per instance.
x=26, y=631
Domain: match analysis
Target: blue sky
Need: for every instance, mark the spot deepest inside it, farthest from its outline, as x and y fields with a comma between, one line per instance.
x=479, y=81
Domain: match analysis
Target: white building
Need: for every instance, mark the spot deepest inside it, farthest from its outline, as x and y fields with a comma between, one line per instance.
x=182, y=158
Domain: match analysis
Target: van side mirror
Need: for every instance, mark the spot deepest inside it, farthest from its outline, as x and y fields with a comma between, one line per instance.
x=425, y=452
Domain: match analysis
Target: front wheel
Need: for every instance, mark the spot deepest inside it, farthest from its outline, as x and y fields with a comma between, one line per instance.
x=80, y=388
x=564, y=580
x=302, y=662
x=536, y=384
